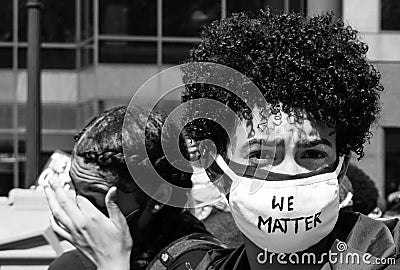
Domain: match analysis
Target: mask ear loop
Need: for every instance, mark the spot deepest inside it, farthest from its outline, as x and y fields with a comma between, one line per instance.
x=225, y=168
x=339, y=167
x=131, y=214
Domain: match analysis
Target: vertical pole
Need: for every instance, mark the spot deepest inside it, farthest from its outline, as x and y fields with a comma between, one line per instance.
x=159, y=42
x=78, y=33
x=33, y=138
x=159, y=34
x=96, y=33
x=223, y=9
x=15, y=107
x=286, y=6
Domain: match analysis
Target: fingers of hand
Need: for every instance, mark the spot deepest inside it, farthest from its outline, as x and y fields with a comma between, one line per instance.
x=66, y=203
x=73, y=240
x=89, y=211
x=60, y=231
x=114, y=212
x=193, y=149
x=56, y=209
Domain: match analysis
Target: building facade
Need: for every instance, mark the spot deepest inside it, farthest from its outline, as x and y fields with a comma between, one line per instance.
x=96, y=53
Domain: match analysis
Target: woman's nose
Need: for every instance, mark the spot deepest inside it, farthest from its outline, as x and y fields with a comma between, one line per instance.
x=288, y=165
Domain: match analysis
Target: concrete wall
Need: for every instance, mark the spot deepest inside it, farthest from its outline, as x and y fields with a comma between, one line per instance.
x=57, y=86
x=7, y=92
x=364, y=15
x=123, y=81
x=315, y=7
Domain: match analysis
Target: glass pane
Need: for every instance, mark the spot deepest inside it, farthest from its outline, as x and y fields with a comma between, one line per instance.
x=54, y=116
x=6, y=115
x=6, y=163
x=185, y=18
x=21, y=115
x=390, y=15
x=58, y=21
x=298, y=6
x=234, y=6
x=128, y=17
x=176, y=53
x=50, y=142
x=51, y=58
x=67, y=116
x=6, y=57
x=128, y=52
x=87, y=111
x=6, y=29
x=86, y=55
x=50, y=117
x=86, y=19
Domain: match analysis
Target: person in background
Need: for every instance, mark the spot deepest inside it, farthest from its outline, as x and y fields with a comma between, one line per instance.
x=346, y=194
x=365, y=192
x=203, y=202
x=393, y=204
x=211, y=206
x=98, y=164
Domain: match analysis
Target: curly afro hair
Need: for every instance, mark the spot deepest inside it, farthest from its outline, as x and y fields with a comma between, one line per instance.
x=311, y=64
x=101, y=143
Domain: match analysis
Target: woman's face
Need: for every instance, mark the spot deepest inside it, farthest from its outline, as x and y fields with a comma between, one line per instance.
x=282, y=145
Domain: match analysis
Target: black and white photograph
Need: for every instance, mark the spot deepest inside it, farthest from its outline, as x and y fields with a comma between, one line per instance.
x=199, y=134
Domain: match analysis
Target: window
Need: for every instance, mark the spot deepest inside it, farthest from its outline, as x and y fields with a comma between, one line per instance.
x=58, y=34
x=6, y=115
x=6, y=57
x=276, y=5
x=185, y=18
x=175, y=53
x=6, y=34
x=127, y=31
x=51, y=58
x=58, y=21
x=86, y=19
x=8, y=160
x=128, y=52
x=390, y=15
x=6, y=15
x=86, y=54
x=54, y=116
x=128, y=17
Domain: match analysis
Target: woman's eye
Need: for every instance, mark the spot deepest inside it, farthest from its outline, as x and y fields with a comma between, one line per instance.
x=314, y=154
x=261, y=155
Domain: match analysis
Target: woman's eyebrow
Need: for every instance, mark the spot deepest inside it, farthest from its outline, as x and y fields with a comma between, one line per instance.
x=308, y=144
x=262, y=142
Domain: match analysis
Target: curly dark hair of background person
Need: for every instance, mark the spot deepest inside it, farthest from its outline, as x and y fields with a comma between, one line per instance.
x=315, y=64
x=102, y=145
x=365, y=197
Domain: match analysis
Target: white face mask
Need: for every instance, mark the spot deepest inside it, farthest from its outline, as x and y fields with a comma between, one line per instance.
x=285, y=216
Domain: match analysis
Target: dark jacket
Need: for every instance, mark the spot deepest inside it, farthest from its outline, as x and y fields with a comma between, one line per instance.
x=354, y=234
x=163, y=232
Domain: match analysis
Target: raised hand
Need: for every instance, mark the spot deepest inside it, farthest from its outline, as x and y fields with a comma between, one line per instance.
x=105, y=241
